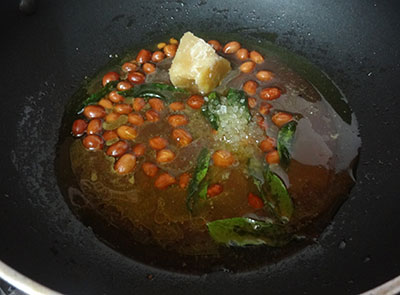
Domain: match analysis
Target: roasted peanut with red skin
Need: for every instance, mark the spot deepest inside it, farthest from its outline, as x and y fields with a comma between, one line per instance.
x=138, y=104
x=231, y=47
x=177, y=106
x=105, y=103
x=182, y=137
x=264, y=76
x=164, y=180
x=136, y=78
x=281, y=118
x=110, y=135
x=184, y=180
x=156, y=104
x=152, y=116
x=139, y=150
x=79, y=127
x=149, y=68
x=268, y=144
x=250, y=87
x=195, y=101
x=150, y=169
x=143, y=56
x=214, y=190
x=215, y=44
x=110, y=76
x=223, y=158
x=170, y=50
x=93, y=142
x=252, y=102
x=247, y=67
x=94, y=127
x=135, y=119
x=129, y=67
x=256, y=57
x=126, y=164
x=255, y=201
x=272, y=157
x=115, y=97
x=158, y=143
x=112, y=117
x=242, y=54
x=177, y=120
x=126, y=132
x=117, y=149
x=270, y=93
x=265, y=108
x=122, y=108
x=165, y=156
x=124, y=85
x=94, y=112
x=157, y=56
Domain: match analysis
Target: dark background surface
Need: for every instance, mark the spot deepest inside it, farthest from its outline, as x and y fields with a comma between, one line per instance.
x=45, y=56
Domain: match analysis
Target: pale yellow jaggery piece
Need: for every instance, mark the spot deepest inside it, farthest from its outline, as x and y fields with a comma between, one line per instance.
x=197, y=66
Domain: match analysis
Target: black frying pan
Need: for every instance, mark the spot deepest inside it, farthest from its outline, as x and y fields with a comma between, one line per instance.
x=44, y=58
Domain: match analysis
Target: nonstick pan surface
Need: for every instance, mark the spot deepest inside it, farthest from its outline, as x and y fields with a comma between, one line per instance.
x=44, y=58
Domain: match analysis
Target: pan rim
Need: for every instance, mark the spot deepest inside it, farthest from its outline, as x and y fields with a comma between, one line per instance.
x=31, y=287
x=22, y=282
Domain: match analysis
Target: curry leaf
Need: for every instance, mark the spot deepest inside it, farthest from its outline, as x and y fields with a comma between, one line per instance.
x=285, y=140
x=272, y=190
x=239, y=98
x=167, y=87
x=282, y=203
x=241, y=231
x=166, y=92
x=255, y=169
x=203, y=190
x=209, y=108
x=95, y=97
x=203, y=162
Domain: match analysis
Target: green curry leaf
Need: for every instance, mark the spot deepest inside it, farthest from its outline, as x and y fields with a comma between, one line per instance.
x=240, y=231
x=208, y=109
x=285, y=140
x=280, y=198
x=272, y=189
x=95, y=97
x=166, y=92
x=239, y=98
x=255, y=169
x=203, y=190
x=203, y=162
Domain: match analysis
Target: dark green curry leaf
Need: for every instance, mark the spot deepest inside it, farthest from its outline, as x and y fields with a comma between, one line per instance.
x=166, y=92
x=203, y=162
x=240, y=231
x=285, y=140
x=203, y=190
x=167, y=87
x=239, y=98
x=256, y=169
x=279, y=195
x=95, y=97
x=209, y=108
x=272, y=190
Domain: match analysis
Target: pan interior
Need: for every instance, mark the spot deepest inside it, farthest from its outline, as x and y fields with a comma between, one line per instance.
x=316, y=93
